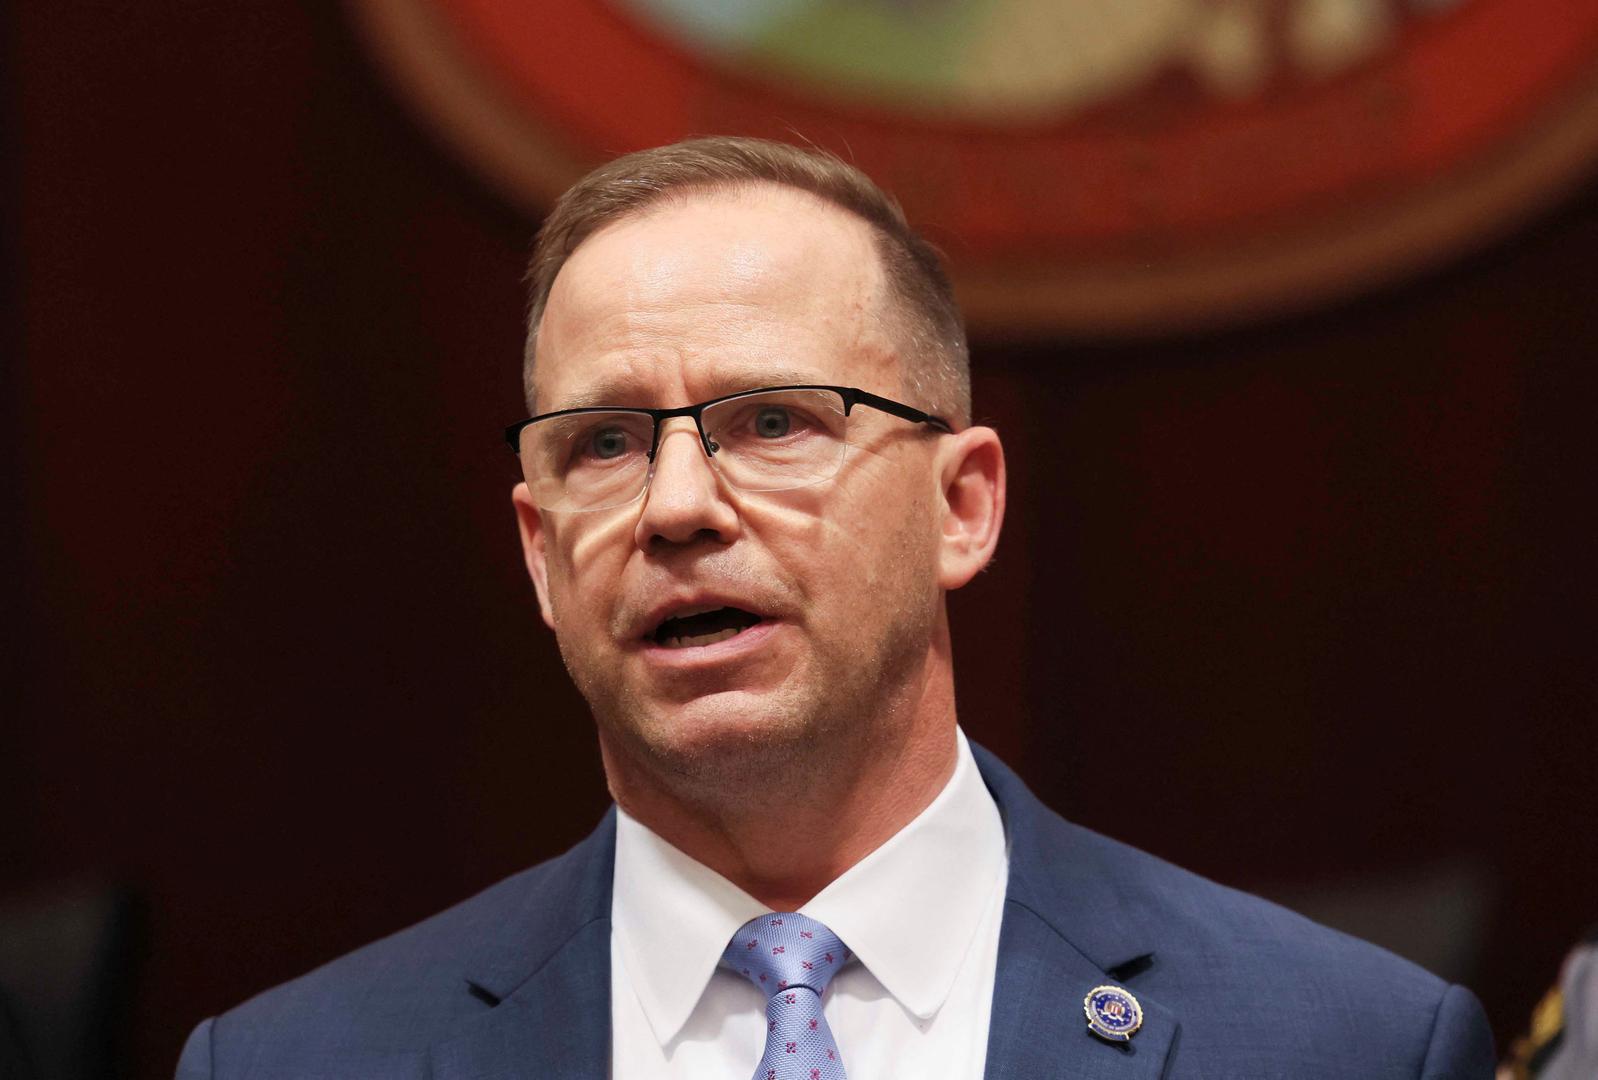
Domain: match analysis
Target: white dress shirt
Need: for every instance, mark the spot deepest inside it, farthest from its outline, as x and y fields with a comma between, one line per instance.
x=921, y=915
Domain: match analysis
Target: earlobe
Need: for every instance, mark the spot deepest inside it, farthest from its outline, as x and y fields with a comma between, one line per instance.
x=530, y=523
x=972, y=505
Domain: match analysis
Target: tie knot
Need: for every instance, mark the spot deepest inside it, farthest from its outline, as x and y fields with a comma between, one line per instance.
x=783, y=950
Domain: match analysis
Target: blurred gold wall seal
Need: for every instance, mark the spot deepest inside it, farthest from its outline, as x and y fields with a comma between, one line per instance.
x=1127, y=167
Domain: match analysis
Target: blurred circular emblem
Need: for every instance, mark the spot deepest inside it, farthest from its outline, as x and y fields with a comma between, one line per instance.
x=1112, y=1013
x=1126, y=167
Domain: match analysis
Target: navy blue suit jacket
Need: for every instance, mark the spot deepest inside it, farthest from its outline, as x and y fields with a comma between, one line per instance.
x=515, y=982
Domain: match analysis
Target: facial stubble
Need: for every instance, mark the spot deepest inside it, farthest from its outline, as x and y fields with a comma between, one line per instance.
x=847, y=703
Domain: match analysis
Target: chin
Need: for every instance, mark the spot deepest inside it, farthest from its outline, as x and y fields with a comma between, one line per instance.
x=721, y=737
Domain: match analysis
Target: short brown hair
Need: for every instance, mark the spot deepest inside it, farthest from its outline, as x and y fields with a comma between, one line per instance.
x=937, y=369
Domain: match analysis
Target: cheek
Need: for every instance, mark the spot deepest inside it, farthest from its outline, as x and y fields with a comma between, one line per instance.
x=584, y=562
x=845, y=544
x=893, y=535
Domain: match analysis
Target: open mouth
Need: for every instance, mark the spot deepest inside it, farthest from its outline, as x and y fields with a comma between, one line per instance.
x=703, y=628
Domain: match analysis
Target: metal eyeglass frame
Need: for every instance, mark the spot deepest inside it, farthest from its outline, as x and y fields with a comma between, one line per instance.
x=851, y=395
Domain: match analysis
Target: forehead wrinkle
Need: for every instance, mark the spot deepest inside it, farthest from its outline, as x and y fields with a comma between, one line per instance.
x=629, y=354
x=629, y=390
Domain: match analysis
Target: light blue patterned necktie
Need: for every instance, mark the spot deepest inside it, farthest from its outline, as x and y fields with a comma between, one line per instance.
x=791, y=959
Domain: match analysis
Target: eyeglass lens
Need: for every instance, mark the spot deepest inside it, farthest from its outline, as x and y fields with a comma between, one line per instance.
x=768, y=441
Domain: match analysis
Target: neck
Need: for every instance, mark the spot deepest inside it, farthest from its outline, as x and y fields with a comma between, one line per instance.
x=846, y=809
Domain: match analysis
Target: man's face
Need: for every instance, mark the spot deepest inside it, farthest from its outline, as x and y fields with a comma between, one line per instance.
x=685, y=302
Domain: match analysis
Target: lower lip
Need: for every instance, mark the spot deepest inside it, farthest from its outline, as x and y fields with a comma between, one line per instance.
x=732, y=648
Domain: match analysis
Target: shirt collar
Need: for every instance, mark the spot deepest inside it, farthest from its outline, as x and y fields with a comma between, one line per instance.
x=672, y=917
x=931, y=881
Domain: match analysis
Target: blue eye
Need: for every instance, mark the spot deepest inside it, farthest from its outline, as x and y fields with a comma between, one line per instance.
x=772, y=422
x=609, y=443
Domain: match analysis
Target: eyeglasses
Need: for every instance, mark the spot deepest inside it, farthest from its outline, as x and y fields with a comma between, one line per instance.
x=772, y=439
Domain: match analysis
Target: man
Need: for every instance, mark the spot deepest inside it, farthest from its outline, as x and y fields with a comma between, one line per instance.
x=750, y=481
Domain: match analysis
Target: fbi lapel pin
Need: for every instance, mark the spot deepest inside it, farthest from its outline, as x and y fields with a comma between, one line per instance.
x=1113, y=1014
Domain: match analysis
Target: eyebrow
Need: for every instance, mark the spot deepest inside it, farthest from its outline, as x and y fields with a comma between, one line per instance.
x=626, y=392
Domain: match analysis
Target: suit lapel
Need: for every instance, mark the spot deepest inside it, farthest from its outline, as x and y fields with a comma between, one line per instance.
x=556, y=1024
x=542, y=971
x=1038, y=1027
x=1069, y=926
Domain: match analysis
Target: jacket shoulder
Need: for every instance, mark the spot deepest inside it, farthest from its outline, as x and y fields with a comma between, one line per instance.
x=1194, y=919
x=1242, y=974
x=396, y=996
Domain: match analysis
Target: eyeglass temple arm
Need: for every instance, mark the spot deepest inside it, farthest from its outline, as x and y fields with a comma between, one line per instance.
x=905, y=412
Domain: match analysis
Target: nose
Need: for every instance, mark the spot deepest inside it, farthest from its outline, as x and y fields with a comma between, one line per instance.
x=685, y=502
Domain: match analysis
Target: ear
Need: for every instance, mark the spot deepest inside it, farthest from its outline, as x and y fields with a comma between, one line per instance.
x=530, y=522
x=971, y=479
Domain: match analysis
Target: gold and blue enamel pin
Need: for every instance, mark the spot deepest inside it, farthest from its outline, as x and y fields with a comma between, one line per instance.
x=1113, y=1014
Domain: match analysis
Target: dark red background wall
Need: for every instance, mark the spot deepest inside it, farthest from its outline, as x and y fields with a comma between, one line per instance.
x=1298, y=605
